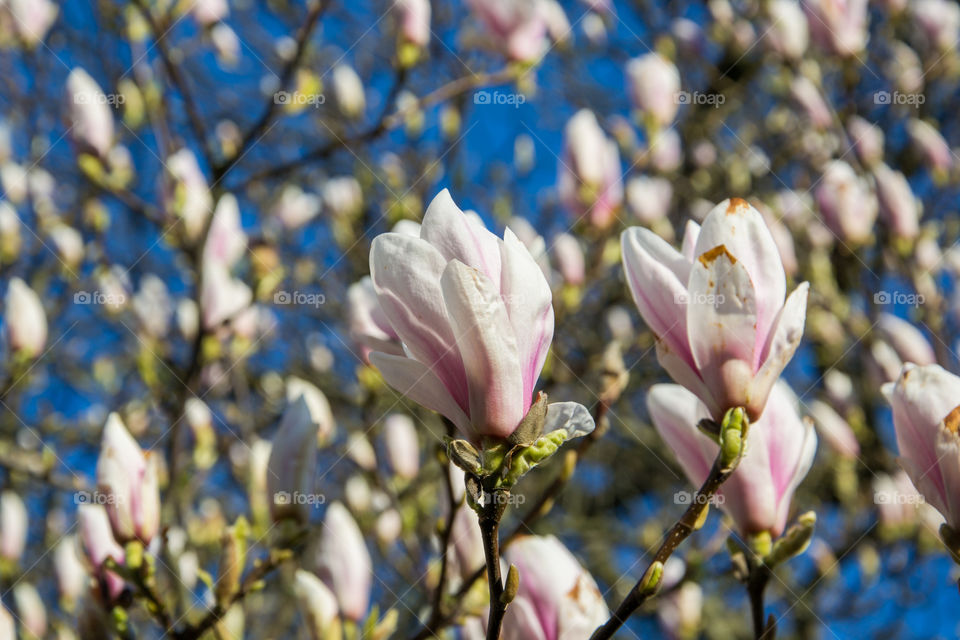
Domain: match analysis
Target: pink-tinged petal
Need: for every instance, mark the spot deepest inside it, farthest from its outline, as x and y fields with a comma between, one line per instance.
x=418, y=382
x=906, y=339
x=835, y=430
x=657, y=276
x=529, y=304
x=948, y=458
x=675, y=413
x=406, y=275
x=782, y=342
x=749, y=496
x=721, y=323
x=689, y=245
x=928, y=481
x=458, y=236
x=684, y=374
x=740, y=228
x=791, y=443
x=488, y=349
x=522, y=623
x=343, y=562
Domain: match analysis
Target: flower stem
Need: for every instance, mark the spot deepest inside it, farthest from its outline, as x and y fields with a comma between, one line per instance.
x=756, y=584
x=490, y=532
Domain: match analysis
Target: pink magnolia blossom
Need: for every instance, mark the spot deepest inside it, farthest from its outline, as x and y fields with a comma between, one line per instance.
x=13, y=525
x=840, y=26
x=866, y=139
x=590, y=181
x=557, y=599
x=931, y=144
x=292, y=463
x=400, y=441
x=519, y=27
x=789, y=32
x=475, y=316
x=780, y=450
x=414, y=18
x=88, y=114
x=343, y=562
x=128, y=479
x=925, y=418
x=654, y=87
x=725, y=328
x=24, y=319
x=317, y=604
x=834, y=430
x=898, y=206
x=99, y=544
x=847, y=204
x=31, y=18
x=369, y=327
x=569, y=259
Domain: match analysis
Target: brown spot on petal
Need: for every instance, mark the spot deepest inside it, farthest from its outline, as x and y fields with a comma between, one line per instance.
x=707, y=257
x=736, y=204
x=952, y=421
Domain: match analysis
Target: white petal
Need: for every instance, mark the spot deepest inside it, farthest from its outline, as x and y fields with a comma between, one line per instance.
x=460, y=237
x=572, y=417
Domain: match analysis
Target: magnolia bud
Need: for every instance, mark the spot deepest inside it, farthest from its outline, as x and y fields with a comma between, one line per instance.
x=293, y=460
x=348, y=91
x=13, y=525
x=344, y=563
x=318, y=606
x=403, y=449
x=26, y=322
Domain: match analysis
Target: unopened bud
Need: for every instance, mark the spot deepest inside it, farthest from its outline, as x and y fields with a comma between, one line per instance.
x=795, y=541
x=733, y=436
x=510, y=588
x=651, y=579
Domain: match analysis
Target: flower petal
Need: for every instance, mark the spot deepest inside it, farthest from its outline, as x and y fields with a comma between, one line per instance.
x=782, y=342
x=418, y=382
x=529, y=304
x=657, y=275
x=406, y=275
x=458, y=236
x=675, y=413
x=572, y=417
x=488, y=349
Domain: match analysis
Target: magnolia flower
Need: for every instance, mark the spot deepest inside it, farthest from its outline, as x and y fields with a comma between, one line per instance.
x=723, y=328
x=519, y=27
x=207, y=12
x=295, y=208
x=569, y=259
x=31, y=18
x=369, y=327
x=475, y=317
x=927, y=139
x=30, y=610
x=780, y=450
x=292, y=463
x=317, y=404
x=186, y=193
x=808, y=96
x=348, y=91
x=839, y=26
x=99, y=544
x=68, y=566
x=940, y=21
x=654, y=87
x=925, y=418
x=590, y=181
x=318, y=606
x=649, y=198
x=342, y=196
x=13, y=525
x=899, y=207
x=343, y=562
x=400, y=441
x=152, y=306
x=665, y=151
x=681, y=610
x=222, y=297
x=866, y=139
x=557, y=599
x=128, y=478
x=789, y=32
x=847, y=204
x=25, y=320
x=907, y=341
x=834, y=430
x=88, y=114
x=226, y=242
x=414, y=18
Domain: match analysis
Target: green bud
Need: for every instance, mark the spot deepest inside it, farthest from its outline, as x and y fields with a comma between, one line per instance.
x=513, y=583
x=651, y=579
x=761, y=543
x=795, y=541
x=733, y=436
